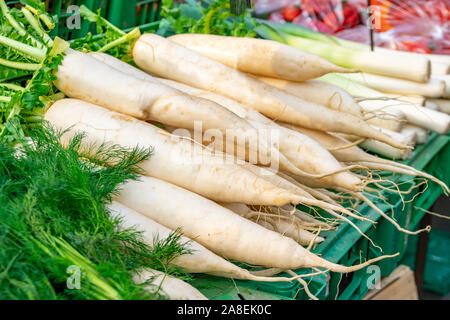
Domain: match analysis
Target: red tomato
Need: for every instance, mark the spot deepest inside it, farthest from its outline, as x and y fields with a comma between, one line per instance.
x=351, y=16
x=415, y=46
x=291, y=12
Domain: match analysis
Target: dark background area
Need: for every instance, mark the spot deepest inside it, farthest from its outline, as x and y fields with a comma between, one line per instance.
x=442, y=206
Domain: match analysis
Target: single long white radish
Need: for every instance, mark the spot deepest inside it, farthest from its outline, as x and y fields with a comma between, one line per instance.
x=85, y=77
x=299, y=150
x=174, y=159
x=160, y=56
x=434, y=88
x=221, y=230
x=318, y=92
x=259, y=56
x=200, y=260
x=172, y=288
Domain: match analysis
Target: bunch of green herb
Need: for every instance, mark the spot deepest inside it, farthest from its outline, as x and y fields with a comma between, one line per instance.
x=24, y=41
x=53, y=220
x=27, y=51
x=209, y=17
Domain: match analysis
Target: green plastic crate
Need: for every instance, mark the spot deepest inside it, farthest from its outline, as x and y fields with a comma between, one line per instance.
x=436, y=276
x=437, y=266
x=132, y=13
x=216, y=288
x=124, y=14
x=347, y=247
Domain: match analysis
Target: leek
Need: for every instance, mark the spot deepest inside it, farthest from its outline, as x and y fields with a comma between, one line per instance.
x=376, y=102
x=435, y=88
x=415, y=69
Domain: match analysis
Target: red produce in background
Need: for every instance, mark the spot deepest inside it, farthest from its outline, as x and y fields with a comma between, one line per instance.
x=410, y=25
x=291, y=12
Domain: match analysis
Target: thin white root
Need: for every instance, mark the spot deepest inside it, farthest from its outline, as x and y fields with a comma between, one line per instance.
x=384, y=215
x=433, y=213
x=392, y=166
x=313, y=241
x=352, y=144
x=304, y=284
x=357, y=229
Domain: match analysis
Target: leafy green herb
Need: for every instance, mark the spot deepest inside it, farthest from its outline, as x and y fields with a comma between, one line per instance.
x=209, y=17
x=54, y=217
x=27, y=107
x=26, y=52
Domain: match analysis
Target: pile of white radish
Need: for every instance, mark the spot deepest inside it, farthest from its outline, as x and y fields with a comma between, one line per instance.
x=384, y=101
x=240, y=135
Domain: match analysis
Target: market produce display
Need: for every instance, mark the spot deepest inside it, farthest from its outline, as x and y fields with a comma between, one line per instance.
x=216, y=144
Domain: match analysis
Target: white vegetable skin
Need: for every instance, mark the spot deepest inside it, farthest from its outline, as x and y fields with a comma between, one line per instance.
x=405, y=138
x=434, y=88
x=446, y=80
x=174, y=159
x=173, y=288
x=287, y=227
x=160, y=56
x=385, y=150
x=348, y=154
x=443, y=104
x=421, y=133
x=439, y=68
x=200, y=260
x=259, y=56
x=431, y=106
x=391, y=122
x=318, y=92
x=414, y=99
